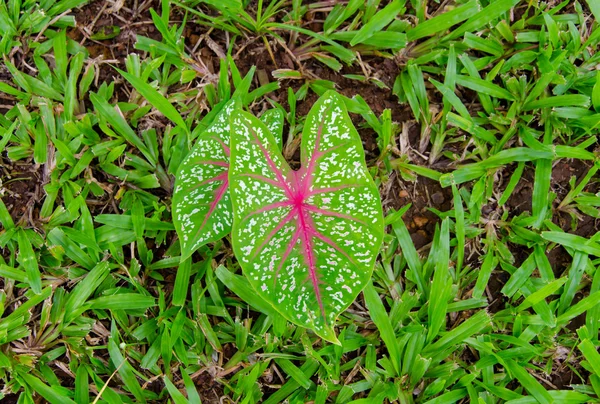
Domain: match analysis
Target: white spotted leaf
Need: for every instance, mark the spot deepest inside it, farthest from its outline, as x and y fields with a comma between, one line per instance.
x=273, y=118
x=201, y=202
x=306, y=240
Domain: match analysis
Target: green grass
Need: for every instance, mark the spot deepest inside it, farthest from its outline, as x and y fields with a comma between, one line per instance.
x=95, y=305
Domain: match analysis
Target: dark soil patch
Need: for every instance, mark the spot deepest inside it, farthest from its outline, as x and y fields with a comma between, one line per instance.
x=562, y=172
x=10, y=399
x=423, y=194
x=564, y=377
x=132, y=19
x=210, y=390
x=559, y=260
x=520, y=200
x=22, y=192
x=495, y=298
x=521, y=197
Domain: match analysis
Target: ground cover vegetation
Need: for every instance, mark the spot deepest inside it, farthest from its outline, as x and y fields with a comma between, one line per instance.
x=478, y=121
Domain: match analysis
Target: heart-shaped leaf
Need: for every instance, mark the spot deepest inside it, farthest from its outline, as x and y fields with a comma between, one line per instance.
x=306, y=240
x=202, y=207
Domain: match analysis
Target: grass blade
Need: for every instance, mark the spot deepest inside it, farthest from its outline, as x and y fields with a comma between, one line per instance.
x=528, y=381
x=118, y=122
x=573, y=241
x=29, y=261
x=156, y=99
x=382, y=321
x=53, y=397
x=123, y=301
x=484, y=87
x=378, y=22
x=443, y=21
x=125, y=371
x=486, y=16
x=441, y=284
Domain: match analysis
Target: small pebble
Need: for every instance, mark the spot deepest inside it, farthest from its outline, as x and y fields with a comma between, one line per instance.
x=438, y=198
x=420, y=221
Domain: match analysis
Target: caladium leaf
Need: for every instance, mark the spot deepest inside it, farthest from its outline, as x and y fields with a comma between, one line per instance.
x=273, y=119
x=306, y=240
x=201, y=203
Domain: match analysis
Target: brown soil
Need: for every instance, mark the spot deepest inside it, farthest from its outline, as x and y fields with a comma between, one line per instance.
x=10, y=399
x=133, y=18
x=210, y=390
x=22, y=184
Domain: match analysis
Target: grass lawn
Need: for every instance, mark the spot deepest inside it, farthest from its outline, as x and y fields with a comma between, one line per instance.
x=479, y=121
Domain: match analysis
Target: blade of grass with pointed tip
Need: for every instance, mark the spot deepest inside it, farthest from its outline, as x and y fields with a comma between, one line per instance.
x=125, y=371
x=82, y=393
x=309, y=368
x=451, y=97
x=240, y=286
x=47, y=392
x=58, y=237
x=33, y=300
x=582, y=306
x=182, y=281
x=159, y=101
x=382, y=18
x=441, y=283
x=32, y=85
x=512, y=183
x=541, y=190
x=590, y=351
x=29, y=261
x=459, y=214
x=468, y=125
x=123, y=301
x=568, y=100
x=471, y=171
x=453, y=338
x=576, y=272
x=84, y=290
x=484, y=86
x=486, y=16
x=379, y=40
x=13, y=273
x=519, y=277
x=343, y=53
x=175, y=394
x=596, y=93
x=443, y=21
x=190, y=387
x=294, y=372
x=488, y=45
x=410, y=255
x=489, y=264
x=541, y=294
x=526, y=380
x=594, y=6
x=120, y=125
x=573, y=241
x=5, y=217
x=382, y=321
